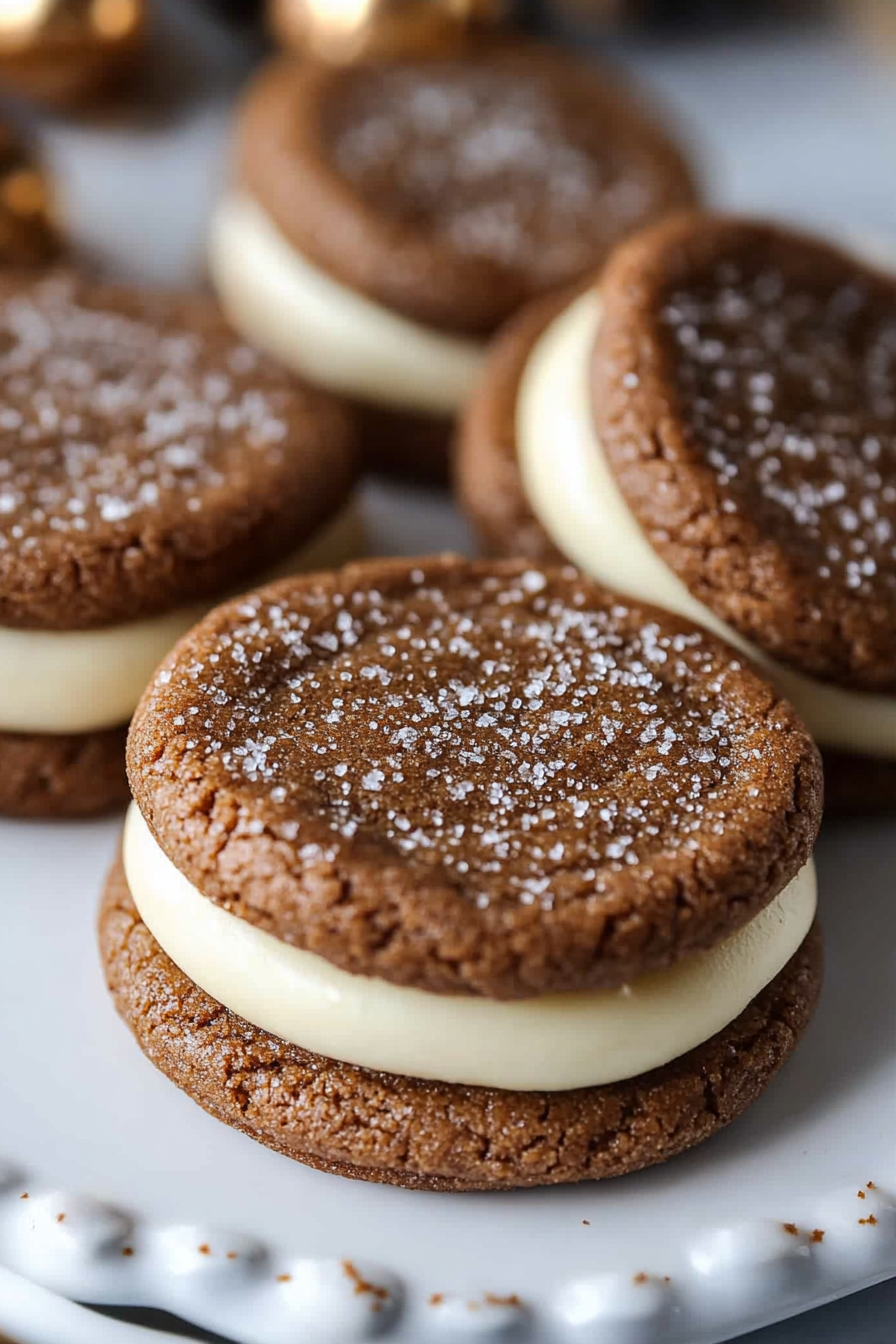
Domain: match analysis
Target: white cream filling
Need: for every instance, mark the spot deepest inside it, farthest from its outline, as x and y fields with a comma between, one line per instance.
x=80, y=681
x=552, y=1043
x=573, y=492
x=325, y=331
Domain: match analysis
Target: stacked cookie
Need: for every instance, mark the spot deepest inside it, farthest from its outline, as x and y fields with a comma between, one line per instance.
x=150, y=464
x=710, y=426
x=386, y=218
x=464, y=875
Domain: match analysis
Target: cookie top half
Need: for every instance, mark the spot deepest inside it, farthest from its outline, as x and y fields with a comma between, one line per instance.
x=453, y=190
x=473, y=777
x=148, y=456
x=744, y=384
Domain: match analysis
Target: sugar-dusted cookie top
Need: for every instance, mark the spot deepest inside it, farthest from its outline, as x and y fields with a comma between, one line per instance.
x=454, y=190
x=148, y=456
x=745, y=392
x=473, y=778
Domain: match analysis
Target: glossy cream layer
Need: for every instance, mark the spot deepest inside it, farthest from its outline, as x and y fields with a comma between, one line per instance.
x=327, y=332
x=80, y=681
x=574, y=494
x=553, y=1043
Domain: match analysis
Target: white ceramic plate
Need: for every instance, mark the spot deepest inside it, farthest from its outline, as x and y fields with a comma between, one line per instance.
x=89, y=1130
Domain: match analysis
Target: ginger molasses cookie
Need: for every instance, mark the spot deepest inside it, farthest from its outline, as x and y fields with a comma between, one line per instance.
x=150, y=463
x=385, y=219
x=519, y=867
x=713, y=427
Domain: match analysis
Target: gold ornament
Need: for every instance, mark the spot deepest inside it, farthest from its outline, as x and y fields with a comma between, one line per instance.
x=63, y=52
x=346, y=31
x=27, y=232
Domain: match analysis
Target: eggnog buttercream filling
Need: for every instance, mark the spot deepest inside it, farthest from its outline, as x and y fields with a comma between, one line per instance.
x=553, y=1043
x=574, y=494
x=327, y=332
x=80, y=681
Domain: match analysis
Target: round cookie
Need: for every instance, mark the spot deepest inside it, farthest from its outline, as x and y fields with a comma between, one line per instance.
x=741, y=428
x=428, y=1135
x=70, y=53
x=745, y=394
x=372, y=715
x=150, y=461
x=149, y=457
x=534, y=860
x=417, y=205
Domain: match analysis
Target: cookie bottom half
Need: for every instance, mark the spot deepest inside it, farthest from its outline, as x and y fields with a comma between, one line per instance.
x=439, y=1136
x=47, y=775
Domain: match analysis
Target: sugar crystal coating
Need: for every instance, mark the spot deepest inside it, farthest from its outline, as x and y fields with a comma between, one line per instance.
x=790, y=387
x=419, y=750
x=502, y=165
x=744, y=389
x=105, y=413
x=148, y=456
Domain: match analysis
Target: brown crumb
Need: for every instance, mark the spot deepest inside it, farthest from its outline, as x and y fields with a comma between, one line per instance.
x=585, y=1222
x=791, y=1228
x=870, y=1221
x=127, y=1251
x=869, y=1185
x=437, y=1299
x=361, y=1285
x=205, y=1249
x=817, y=1235
x=233, y=1255
x=24, y=1195
x=639, y=1278
x=667, y=1278
x=495, y=1300
x=284, y=1278
x=60, y=1217
x=860, y=1194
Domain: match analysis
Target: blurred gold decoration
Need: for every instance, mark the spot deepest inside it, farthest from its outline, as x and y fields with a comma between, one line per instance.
x=27, y=231
x=64, y=52
x=345, y=31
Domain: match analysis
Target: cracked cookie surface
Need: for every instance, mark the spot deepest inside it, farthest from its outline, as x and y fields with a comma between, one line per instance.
x=473, y=778
x=453, y=190
x=744, y=390
x=149, y=458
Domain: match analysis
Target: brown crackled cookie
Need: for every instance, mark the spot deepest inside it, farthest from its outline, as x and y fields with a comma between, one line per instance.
x=385, y=219
x=503, y=843
x=713, y=427
x=150, y=462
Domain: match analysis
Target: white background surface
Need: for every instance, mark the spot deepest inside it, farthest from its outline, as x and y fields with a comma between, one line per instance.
x=799, y=127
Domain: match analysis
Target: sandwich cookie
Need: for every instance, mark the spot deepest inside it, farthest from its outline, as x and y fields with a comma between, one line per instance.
x=385, y=219
x=69, y=53
x=464, y=875
x=150, y=463
x=712, y=427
